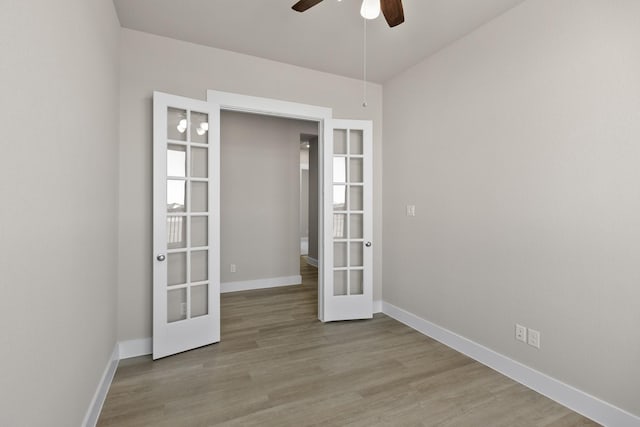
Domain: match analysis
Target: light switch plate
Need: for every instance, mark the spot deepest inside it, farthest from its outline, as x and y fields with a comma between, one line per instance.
x=411, y=210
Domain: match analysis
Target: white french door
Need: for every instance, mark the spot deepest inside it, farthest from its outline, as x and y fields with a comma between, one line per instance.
x=186, y=215
x=348, y=224
x=186, y=224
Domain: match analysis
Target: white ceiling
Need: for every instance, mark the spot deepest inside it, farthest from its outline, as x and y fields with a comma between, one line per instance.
x=327, y=37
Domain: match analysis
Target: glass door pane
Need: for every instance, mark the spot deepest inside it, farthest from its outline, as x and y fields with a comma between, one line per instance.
x=347, y=179
x=188, y=206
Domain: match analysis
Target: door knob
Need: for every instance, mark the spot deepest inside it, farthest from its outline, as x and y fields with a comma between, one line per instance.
x=368, y=244
x=161, y=257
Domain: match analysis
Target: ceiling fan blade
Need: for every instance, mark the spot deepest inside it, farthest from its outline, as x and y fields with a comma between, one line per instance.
x=303, y=5
x=393, y=12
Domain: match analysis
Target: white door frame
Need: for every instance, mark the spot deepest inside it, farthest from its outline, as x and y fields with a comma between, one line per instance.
x=292, y=110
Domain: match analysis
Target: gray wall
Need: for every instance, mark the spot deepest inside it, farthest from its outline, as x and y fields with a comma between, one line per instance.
x=260, y=195
x=313, y=198
x=304, y=203
x=151, y=63
x=304, y=188
x=519, y=146
x=58, y=191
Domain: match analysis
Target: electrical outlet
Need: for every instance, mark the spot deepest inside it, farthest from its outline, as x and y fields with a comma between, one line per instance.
x=521, y=333
x=534, y=338
x=183, y=309
x=232, y=268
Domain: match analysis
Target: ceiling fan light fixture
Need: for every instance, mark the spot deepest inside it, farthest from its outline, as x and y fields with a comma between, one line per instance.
x=182, y=125
x=370, y=9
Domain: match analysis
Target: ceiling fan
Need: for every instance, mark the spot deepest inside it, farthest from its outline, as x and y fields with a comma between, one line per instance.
x=391, y=9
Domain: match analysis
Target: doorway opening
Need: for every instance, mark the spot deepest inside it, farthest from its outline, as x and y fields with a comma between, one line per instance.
x=269, y=191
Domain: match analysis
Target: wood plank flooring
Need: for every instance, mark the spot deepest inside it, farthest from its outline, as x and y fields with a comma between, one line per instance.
x=277, y=365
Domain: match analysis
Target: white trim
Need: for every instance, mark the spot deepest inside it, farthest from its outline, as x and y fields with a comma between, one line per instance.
x=268, y=106
x=95, y=407
x=311, y=261
x=377, y=306
x=135, y=348
x=249, y=285
x=574, y=399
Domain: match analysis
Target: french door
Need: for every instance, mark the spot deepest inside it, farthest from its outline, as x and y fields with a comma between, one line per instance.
x=348, y=223
x=186, y=215
x=186, y=224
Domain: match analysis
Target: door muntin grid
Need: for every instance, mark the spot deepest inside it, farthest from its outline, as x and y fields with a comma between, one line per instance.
x=187, y=214
x=348, y=213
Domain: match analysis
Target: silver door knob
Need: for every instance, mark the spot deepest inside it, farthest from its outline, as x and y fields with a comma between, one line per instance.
x=368, y=244
x=161, y=257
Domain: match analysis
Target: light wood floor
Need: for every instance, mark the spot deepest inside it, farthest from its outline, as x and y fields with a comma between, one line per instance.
x=277, y=365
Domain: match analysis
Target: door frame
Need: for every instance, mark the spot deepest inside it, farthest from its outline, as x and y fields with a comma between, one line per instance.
x=291, y=110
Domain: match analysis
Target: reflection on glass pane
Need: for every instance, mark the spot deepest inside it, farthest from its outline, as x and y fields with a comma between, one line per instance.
x=356, y=283
x=199, y=231
x=355, y=226
x=176, y=160
x=339, y=169
x=355, y=199
x=339, y=141
x=339, y=197
x=355, y=142
x=199, y=127
x=339, y=226
x=176, y=305
x=199, y=162
x=176, y=269
x=199, y=266
x=355, y=170
x=355, y=259
x=177, y=124
x=199, y=199
x=176, y=199
x=176, y=232
x=339, y=283
x=339, y=254
x=199, y=300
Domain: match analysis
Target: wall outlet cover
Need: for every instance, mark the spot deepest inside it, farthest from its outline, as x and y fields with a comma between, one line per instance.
x=534, y=338
x=521, y=333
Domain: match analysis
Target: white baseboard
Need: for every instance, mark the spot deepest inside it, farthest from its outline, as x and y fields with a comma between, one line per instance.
x=135, y=348
x=377, y=306
x=574, y=399
x=249, y=285
x=93, y=412
x=311, y=261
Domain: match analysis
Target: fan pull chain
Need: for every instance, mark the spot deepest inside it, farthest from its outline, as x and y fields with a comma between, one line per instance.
x=364, y=66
